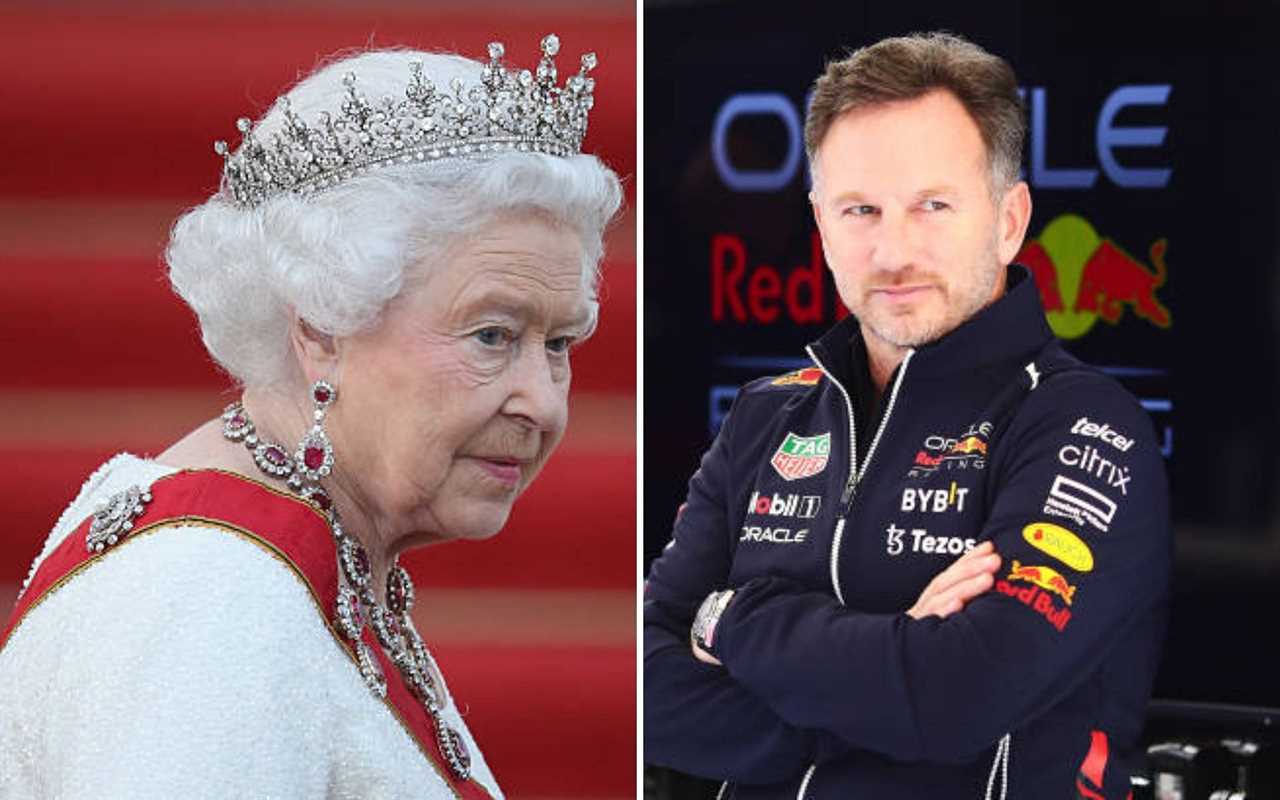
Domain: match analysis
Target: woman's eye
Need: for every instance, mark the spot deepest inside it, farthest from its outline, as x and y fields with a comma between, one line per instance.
x=560, y=344
x=492, y=337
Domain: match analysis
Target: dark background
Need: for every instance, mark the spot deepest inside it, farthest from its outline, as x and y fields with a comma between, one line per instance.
x=1208, y=379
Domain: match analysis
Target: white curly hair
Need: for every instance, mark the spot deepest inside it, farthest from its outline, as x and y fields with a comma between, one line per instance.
x=335, y=258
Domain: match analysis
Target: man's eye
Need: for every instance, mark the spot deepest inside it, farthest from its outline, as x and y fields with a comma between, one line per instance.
x=935, y=205
x=860, y=211
x=560, y=344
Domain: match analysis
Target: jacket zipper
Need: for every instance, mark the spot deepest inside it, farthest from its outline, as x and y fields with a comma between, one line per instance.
x=850, y=488
x=855, y=475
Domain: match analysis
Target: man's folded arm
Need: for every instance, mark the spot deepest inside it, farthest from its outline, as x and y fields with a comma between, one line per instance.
x=946, y=689
x=697, y=718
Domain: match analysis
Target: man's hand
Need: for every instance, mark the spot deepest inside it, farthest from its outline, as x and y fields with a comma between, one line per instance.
x=971, y=575
x=703, y=655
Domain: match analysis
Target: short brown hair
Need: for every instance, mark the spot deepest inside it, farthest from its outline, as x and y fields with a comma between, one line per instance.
x=908, y=67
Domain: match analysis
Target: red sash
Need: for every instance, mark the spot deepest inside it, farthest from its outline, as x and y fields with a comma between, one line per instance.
x=289, y=528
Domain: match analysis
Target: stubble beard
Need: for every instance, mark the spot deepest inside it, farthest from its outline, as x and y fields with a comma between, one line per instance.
x=960, y=303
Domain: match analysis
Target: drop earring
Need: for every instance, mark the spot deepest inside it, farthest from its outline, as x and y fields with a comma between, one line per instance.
x=314, y=456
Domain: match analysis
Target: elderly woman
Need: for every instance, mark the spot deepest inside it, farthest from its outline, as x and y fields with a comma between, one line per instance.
x=400, y=260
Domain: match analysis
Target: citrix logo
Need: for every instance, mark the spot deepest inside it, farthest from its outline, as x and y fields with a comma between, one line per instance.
x=1088, y=458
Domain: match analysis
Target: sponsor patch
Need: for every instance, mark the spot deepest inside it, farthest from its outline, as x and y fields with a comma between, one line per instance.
x=803, y=506
x=934, y=500
x=968, y=450
x=802, y=456
x=1037, y=600
x=1060, y=543
x=809, y=376
x=1079, y=503
x=1046, y=578
x=1084, y=427
x=759, y=533
x=1090, y=461
x=922, y=542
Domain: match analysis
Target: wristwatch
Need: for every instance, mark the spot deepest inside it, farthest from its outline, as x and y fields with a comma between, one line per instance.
x=704, y=623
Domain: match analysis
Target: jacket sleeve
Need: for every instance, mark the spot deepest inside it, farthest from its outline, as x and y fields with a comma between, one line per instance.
x=945, y=690
x=697, y=718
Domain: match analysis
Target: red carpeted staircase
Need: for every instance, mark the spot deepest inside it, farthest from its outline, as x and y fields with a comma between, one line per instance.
x=106, y=125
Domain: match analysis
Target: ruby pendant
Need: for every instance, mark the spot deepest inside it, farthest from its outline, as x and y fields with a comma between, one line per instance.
x=314, y=454
x=313, y=457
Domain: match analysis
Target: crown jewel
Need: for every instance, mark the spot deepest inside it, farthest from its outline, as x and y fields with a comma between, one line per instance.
x=507, y=110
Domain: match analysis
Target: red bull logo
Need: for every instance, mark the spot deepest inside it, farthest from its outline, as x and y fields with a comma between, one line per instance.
x=809, y=376
x=1083, y=278
x=1038, y=600
x=970, y=444
x=1046, y=578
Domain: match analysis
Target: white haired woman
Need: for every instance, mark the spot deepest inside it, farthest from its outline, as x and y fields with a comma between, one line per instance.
x=403, y=252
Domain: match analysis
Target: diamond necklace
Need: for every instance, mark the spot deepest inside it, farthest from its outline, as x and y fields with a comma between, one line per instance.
x=357, y=605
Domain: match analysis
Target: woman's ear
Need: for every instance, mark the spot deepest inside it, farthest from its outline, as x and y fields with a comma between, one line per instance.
x=316, y=351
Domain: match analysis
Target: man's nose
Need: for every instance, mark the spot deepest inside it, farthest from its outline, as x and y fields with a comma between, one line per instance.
x=891, y=244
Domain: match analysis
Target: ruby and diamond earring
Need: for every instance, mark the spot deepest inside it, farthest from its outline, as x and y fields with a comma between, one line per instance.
x=314, y=457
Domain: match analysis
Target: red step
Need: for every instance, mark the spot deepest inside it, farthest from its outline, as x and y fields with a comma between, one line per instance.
x=110, y=104
x=551, y=721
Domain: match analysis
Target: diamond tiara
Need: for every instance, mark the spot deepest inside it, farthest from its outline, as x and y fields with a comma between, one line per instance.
x=507, y=110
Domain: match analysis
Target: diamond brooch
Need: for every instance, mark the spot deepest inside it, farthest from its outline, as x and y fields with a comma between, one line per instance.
x=114, y=519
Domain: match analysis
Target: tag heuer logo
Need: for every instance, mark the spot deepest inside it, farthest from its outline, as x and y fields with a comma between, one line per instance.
x=802, y=456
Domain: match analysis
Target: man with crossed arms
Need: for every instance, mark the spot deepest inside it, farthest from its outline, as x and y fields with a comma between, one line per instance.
x=936, y=563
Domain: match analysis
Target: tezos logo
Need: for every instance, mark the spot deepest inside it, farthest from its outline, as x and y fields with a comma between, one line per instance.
x=802, y=456
x=785, y=505
x=922, y=542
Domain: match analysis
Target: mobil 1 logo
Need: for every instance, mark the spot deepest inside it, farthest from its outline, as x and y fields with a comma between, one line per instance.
x=800, y=506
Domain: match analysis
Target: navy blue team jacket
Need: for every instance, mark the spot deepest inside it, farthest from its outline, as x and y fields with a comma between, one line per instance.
x=829, y=517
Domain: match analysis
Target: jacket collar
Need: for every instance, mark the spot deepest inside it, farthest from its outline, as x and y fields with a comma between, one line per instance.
x=1013, y=328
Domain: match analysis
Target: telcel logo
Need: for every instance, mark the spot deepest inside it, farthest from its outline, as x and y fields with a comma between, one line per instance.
x=1084, y=427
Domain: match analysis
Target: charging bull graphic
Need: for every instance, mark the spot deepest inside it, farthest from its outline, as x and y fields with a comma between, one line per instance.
x=1083, y=277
